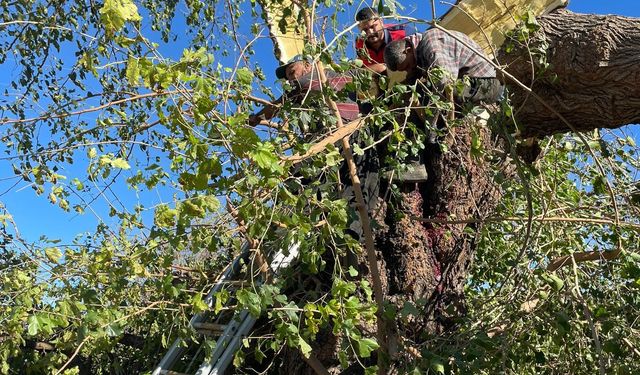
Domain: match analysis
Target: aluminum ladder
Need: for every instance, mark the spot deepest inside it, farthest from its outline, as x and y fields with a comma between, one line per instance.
x=231, y=332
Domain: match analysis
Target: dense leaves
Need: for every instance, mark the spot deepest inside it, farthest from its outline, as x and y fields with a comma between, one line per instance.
x=103, y=119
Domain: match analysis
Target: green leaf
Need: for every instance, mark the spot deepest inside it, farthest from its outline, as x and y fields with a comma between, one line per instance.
x=238, y=358
x=165, y=217
x=191, y=208
x=113, y=330
x=53, y=254
x=333, y=157
x=4, y=218
x=240, y=119
x=357, y=149
x=631, y=141
x=245, y=76
x=259, y=354
x=437, y=365
x=553, y=280
x=556, y=283
x=250, y=301
x=305, y=348
x=409, y=309
x=211, y=167
x=353, y=272
x=33, y=325
x=133, y=71
x=198, y=304
x=599, y=185
x=366, y=346
x=78, y=184
x=343, y=288
x=264, y=155
x=220, y=299
x=200, y=181
x=476, y=142
x=210, y=203
x=245, y=140
x=115, y=13
x=120, y=163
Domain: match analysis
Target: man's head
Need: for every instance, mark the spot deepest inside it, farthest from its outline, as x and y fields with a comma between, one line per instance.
x=370, y=23
x=400, y=57
x=294, y=69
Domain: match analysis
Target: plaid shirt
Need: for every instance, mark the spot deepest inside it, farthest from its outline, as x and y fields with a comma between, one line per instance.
x=439, y=49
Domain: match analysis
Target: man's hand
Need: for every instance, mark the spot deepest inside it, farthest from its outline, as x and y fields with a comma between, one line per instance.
x=379, y=68
x=255, y=119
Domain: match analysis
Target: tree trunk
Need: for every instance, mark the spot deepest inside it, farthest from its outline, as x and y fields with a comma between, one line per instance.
x=593, y=78
x=431, y=261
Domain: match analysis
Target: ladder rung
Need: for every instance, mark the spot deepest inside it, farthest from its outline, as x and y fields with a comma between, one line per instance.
x=212, y=328
x=236, y=282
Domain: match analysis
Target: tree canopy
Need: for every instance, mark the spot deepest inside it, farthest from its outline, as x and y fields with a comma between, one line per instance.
x=105, y=120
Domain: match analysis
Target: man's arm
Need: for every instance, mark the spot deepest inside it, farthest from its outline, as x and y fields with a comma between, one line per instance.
x=379, y=68
x=266, y=113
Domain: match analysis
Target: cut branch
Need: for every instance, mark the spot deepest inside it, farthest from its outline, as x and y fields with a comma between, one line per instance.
x=340, y=133
x=582, y=257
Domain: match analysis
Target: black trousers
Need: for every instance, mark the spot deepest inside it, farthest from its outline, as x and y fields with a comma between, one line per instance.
x=488, y=90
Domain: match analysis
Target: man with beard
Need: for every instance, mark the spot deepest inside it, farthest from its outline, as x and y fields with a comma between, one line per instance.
x=376, y=35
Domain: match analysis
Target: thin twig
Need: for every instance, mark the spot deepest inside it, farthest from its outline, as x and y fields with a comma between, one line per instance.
x=433, y=11
x=589, y=317
x=88, y=110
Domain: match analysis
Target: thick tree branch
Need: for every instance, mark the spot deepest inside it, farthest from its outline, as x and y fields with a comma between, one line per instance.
x=593, y=78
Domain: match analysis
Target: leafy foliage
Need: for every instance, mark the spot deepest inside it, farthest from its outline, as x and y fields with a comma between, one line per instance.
x=102, y=120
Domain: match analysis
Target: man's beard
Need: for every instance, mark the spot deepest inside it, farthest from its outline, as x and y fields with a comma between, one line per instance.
x=370, y=38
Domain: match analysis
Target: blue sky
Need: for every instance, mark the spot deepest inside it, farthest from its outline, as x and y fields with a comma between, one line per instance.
x=35, y=215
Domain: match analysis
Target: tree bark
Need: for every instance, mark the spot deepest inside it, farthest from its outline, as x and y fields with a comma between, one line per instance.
x=431, y=262
x=593, y=78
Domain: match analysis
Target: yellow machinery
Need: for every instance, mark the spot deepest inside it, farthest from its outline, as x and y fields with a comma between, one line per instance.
x=485, y=21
